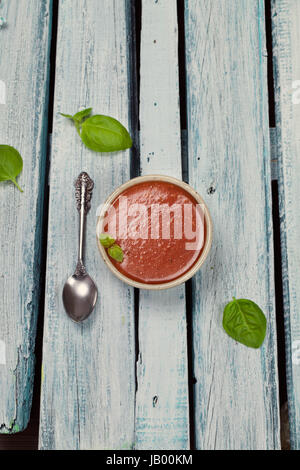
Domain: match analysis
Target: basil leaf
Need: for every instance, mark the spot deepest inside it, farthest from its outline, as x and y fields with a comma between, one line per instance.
x=245, y=322
x=116, y=252
x=78, y=117
x=106, y=240
x=82, y=114
x=105, y=134
x=69, y=116
x=100, y=133
x=11, y=164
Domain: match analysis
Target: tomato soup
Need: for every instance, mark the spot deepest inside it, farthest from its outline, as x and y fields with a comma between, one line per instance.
x=160, y=228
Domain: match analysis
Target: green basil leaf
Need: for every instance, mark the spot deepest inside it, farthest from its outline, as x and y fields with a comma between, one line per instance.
x=245, y=322
x=82, y=114
x=116, y=252
x=69, y=116
x=78, y=117
x=105, y=134
x=11, y=164
x=106, y=240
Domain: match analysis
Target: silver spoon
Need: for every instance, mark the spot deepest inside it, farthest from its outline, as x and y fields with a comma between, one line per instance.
x=80, y=292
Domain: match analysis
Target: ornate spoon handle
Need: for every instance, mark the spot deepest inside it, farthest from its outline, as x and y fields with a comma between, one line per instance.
x=83, y=193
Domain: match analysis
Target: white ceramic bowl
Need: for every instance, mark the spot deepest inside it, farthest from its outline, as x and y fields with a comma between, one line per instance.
x=207, y=243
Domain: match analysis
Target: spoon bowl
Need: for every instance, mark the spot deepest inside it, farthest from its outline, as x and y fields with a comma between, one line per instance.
x=79, y=297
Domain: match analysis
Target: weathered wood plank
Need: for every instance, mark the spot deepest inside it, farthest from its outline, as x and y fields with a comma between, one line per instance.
x=286, y=42
x=274, y=153
x=236, y=394
x=24, y=64
x=162, y=411
x=88, y=390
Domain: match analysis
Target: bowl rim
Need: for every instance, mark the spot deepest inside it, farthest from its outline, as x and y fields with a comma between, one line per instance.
x=194, y=268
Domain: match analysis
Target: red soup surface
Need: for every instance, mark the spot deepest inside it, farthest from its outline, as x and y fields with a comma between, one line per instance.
x=160, y=228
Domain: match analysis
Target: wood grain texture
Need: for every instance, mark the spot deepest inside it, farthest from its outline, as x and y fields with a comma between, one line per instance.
x=88, y=389
x=24, y=64
x=274, y=153
x=236, y=394
x=162, y=411
x=286, y=42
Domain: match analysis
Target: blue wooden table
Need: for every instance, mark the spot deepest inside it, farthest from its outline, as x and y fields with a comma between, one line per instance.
x=150, y=370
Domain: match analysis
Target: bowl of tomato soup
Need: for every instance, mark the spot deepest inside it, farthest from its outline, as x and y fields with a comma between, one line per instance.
x=163, y=228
